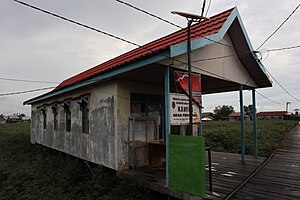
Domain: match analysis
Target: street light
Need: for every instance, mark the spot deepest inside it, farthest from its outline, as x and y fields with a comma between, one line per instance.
x=286, y=111
x=190, y=19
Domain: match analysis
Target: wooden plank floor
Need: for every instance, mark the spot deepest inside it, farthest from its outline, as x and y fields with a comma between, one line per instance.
x=280, y=177
x=228, y=171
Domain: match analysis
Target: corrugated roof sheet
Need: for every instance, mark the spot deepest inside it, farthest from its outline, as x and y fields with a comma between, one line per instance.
x=198, y=30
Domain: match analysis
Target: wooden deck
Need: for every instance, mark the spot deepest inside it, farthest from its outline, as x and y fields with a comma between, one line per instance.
x=228, y=171
x=279, y=178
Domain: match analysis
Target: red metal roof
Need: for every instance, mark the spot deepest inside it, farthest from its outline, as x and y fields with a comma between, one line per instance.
x=207, y=114
x=198, y=30
x=234, y=114
x=237, y=114
x=273, y=114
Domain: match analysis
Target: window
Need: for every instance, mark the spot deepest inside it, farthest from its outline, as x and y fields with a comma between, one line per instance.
x=68, y=116
x=44, y=113
x=85, y=116
x=55, y=117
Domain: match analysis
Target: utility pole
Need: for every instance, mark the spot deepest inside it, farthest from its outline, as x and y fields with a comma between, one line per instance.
x=286, y=114
x=190, y=19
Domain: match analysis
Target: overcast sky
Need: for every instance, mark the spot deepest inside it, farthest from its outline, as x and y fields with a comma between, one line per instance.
x=36, y=46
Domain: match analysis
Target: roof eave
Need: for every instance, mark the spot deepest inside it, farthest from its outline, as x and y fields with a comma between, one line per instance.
x=102, y=77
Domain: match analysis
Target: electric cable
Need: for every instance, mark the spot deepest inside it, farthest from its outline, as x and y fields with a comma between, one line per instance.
x=167, y=21
x=267, y=98
x=282, y=86
x=113, y=36
x=203, y=8
x=283, y=48
x=148, y=13
x=26, y=91
x=209, y=4
x=24, y=80
x=279, y=26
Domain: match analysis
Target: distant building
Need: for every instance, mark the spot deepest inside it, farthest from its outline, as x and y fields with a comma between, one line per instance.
x=274, y=115
x=236, y=116
x=207, y=116
x=3, y=119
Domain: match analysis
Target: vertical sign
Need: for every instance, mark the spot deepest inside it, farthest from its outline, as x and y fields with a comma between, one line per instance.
x=179, y=110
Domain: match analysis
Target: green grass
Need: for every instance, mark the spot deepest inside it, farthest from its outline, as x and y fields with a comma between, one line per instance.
x=32, y=172
x=224, y=136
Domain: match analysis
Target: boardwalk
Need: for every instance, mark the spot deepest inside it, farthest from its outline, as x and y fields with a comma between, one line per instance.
x=279, y=178
x=228, y=171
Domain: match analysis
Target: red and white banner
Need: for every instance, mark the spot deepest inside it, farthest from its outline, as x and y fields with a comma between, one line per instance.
x=182, y=81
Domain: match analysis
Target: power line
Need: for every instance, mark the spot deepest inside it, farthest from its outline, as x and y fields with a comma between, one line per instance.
x=279, y=26
x=209, y=4
x=167, y=21
x=267, y=98
x=26, y=91
x=282, y=86
x=148, y=13
x=203, y=8
x=24, y=80
x=75, y=22
x=116, y=37
x=284, y=48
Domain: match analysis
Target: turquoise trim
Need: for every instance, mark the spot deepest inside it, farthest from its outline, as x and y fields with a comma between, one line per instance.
x=179, y=49
x=242, y=124
x=254, y=124
x=126, y=68
x=167, y=121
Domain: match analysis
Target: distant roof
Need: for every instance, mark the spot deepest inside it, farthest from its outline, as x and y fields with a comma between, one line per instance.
x=273, y=114
x=198, y=30
x=236, y=114
x=207, y=114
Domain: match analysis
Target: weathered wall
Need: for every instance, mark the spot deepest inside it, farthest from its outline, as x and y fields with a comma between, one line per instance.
x=124, y=89
x=98, y=145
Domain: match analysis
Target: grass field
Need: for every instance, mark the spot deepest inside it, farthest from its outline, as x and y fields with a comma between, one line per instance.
x=224, y=136
x=32, y=172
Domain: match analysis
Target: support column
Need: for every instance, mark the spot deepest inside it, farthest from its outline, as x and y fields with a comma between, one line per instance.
x=201, y=127
x=254, y=124
x=242, y=124
x=167, y=119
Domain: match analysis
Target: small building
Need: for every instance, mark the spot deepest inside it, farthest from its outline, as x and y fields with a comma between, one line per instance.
x=236, y=116
x=117, y=114
x=3, y=119
x=207, y=116
x=274, y=115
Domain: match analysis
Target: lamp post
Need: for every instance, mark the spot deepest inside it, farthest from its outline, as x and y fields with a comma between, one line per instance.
x=286, y=115
x=190, y=19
